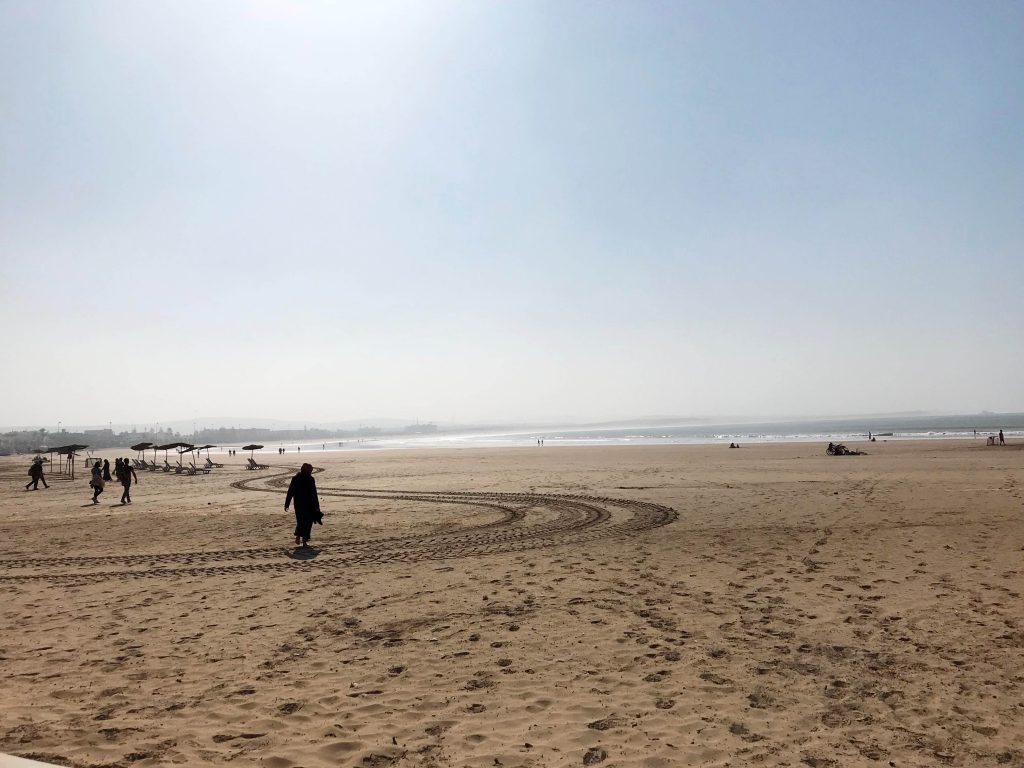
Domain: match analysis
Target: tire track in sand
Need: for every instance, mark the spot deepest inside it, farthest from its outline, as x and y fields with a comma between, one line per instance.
x=559, y=519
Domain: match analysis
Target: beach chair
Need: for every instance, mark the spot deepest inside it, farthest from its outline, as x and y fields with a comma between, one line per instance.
x=178, y=469
x=194, y=470
x=212, y=464
x=254, y=465
x=167, y=467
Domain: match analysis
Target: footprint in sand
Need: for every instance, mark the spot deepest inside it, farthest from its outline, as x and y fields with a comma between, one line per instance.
x=607, y=723
x=711, y=677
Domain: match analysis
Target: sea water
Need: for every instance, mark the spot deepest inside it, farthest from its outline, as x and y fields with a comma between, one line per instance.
x=850, y=430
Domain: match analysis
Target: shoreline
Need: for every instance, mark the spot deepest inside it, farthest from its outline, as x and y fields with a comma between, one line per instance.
x=1012, y=443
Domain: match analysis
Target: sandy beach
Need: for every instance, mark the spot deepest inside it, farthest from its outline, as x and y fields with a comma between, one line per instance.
x=627, y=606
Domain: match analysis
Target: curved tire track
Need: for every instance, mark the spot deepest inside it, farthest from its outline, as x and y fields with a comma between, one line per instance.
x=571, y=519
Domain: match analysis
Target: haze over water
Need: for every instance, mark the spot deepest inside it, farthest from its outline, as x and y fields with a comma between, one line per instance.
x=852, y=429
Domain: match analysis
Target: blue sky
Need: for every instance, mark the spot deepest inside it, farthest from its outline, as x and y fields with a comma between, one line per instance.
x=509, y=211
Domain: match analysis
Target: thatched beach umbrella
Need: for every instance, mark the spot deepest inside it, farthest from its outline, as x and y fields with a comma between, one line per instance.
x=252, y=448
x=186, y=448
x=166, y=448
x=70, y=451
x=140, y=447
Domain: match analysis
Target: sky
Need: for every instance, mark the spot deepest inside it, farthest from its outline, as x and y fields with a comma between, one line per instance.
x=522, y=211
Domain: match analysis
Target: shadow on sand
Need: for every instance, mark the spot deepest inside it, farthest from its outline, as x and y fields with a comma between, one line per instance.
x=303, y=553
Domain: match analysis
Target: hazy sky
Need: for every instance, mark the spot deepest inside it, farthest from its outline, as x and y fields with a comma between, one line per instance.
x=509, y=210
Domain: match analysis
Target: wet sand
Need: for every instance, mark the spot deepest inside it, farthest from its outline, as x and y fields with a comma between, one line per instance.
x=626, y=606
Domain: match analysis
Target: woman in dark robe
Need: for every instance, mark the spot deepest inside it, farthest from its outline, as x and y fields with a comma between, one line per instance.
x=302, y=490
x=106, y=471
x=96, y=483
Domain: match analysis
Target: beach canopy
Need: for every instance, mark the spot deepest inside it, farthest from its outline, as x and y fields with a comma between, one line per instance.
x=141, y=446
x=69, y=451
x=252, y=448
x=166, y=448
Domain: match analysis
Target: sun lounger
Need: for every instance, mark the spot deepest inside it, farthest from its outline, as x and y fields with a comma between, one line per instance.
x=167, y=467
x=212, y=464
x=253, y=465
x=193, y=469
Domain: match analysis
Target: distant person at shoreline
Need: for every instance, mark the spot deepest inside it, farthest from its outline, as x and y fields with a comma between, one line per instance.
x=127, y=473
x=307, y=504
x=1002, y=440
x=97, y=482
x=36, y=473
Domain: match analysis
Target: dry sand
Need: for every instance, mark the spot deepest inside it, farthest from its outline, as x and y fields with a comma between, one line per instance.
x=638, y=606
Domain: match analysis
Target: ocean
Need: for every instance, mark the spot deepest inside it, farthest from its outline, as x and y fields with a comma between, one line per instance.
x=854, y=429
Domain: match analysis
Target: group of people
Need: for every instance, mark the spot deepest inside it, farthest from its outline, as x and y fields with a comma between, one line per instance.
x=36, y=473
x=301, y=491
x=124, y=472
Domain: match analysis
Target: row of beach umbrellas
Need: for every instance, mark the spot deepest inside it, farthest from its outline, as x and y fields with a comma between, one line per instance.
x=183, y=448
x=70, y=451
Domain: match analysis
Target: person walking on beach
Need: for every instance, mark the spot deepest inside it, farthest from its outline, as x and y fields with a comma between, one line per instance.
x=36, y=473
x=127, y=473
x=307, y=504
x=106, y=471
x=97, y=482
x=1002, y=441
